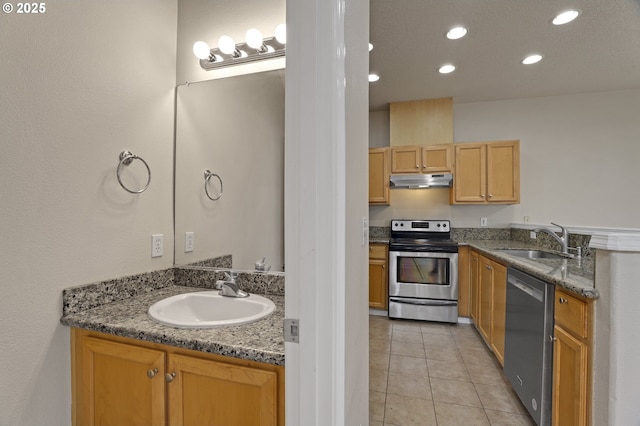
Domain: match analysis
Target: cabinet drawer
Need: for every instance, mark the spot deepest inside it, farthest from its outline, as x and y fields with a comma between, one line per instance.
x=377, y=251
x=571, y=313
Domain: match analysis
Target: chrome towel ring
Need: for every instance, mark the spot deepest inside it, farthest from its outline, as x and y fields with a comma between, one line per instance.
x=127, y=158
x=207, y=176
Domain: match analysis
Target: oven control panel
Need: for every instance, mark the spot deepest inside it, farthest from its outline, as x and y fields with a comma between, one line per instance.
x=420, y=225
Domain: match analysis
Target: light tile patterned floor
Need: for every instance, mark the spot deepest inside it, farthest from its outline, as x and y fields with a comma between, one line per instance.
x=423, y=374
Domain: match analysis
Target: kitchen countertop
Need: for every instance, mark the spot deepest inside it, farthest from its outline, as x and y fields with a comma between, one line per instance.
x=260, y=341
x=574, y=275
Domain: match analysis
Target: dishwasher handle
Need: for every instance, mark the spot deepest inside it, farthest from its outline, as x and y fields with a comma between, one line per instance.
x=522, y=286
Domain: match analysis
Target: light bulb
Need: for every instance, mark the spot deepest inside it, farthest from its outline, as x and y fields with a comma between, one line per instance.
x=254, y=38
x=201, y=50
x=226, y=45
x=565, y=17
x=373, y=78
x=281, y=33
x=529, y=60
x=370, y=47
x=446, y=69
x=456, y=33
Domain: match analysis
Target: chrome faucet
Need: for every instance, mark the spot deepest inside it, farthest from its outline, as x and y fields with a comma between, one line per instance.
x=228, y=287
x=563, y=240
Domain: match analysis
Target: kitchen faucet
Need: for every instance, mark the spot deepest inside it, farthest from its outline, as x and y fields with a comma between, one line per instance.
x=228, y=287
x=563, y=240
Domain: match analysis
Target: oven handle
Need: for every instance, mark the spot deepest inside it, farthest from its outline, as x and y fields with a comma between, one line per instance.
x=420, y=302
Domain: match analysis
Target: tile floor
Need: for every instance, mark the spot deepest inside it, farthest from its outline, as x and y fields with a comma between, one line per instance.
x=423, y=373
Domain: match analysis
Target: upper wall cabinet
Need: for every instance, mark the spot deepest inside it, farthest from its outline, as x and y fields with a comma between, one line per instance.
x=422, y=159
x=486, y=173
x=423, y=122
x=379, y=176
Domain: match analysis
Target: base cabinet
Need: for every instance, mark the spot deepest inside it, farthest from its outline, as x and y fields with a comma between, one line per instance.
x=571, y=361
x=118, y=381
x=491, y=296
x=378, y=276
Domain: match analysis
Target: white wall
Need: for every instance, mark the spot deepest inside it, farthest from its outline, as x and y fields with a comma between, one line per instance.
x=78, y=84
x=578, y=159
x=235, y=128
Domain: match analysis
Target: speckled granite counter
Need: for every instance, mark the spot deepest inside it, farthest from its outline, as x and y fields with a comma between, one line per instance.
x=260, y=341
x=574, y=275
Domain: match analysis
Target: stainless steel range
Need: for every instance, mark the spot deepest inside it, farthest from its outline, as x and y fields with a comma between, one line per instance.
x=423, y=271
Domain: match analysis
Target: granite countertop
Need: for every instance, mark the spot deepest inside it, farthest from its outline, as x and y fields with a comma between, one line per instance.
x=260, y=341
x=575, y=275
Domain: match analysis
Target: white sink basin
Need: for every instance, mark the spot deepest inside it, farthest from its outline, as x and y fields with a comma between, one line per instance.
x=206, y=309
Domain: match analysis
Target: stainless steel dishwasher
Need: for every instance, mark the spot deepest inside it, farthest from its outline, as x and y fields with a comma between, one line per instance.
x=528, y=354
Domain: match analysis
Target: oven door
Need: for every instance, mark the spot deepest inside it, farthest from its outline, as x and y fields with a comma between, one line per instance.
x=428, y=275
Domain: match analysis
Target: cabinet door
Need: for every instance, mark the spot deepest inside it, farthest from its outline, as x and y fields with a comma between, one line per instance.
x=437, y=159
x=405, y=159
x=499, y=310
x=425, y=121
x=569, y=380
x=379, y=176
x=378, y=284
x=485, y=299
x=464, y=291
x=503, y=172
x=474, y=283
x=205, y=392
x=469, y=183
x=118, y=384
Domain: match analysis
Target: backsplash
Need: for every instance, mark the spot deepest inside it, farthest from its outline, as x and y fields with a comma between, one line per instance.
x=270, y=283
x=225, y=261
x=80, y=298
x=379, y=232
x=462, y=234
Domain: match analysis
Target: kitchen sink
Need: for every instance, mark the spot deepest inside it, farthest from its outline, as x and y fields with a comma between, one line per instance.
x=208, y=309
x=535, y=254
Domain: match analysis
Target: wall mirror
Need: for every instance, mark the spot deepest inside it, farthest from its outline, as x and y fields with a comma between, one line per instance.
x=233, y=127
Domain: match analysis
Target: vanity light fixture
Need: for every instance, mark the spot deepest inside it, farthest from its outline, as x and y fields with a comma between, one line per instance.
x=456, y=33
x=446, y=69
x=255, y=48
x=532, y=59
x=565, y=17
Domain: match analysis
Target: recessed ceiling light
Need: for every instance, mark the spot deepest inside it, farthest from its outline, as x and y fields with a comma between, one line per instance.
x=370, y=47
x=565, y=17
x=456, y=33
x=446, y=69
x=532, y=59
x=373, y=78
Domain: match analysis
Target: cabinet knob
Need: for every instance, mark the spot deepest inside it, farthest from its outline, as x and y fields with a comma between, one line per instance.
x=382, y=266
x=417, y=166
x=490, y=195
x=424, y=166
x=482, y=195
x=151, y=373
x=487, y=267
x=562, y=300
x=552, y=339
x=169, y=377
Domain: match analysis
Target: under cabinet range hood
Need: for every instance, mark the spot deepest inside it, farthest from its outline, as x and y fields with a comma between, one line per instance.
x=417, y=181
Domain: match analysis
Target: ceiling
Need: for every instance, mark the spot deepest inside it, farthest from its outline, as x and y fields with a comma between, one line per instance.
x=599, y=51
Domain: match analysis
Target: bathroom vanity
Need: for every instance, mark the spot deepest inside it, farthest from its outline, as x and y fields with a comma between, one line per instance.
x=130, y=369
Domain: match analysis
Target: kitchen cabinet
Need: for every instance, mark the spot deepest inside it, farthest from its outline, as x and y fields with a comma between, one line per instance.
x=422, y=159
x=464, y=290
x=421, y=122
x=474, y=284
x=492, y=298
x=486, y=173
x=378, y=275
x=379, y=169
x=571, y=360
x=117, y=381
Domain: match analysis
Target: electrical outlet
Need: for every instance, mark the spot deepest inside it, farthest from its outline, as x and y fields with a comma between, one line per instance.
x=533, y=235
x=156, y=245
x=188, y=242
x=527, y=219
x=365, y=231
x=483, y=221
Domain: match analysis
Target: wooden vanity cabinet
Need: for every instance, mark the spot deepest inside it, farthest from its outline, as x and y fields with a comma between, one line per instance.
x=486, y=173
x=571, y=360
x=422, y=159
x=378, y=275
x=492, y=304
x=120, y=381
x=379, y=170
